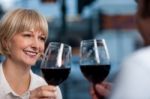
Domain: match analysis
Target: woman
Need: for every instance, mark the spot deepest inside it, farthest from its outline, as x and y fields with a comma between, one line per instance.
x=23, y=34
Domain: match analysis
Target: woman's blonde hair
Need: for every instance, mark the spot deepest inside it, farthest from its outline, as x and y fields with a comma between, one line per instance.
x=17, y=21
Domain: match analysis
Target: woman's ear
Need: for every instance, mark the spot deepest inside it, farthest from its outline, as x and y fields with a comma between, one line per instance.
x=6, y=46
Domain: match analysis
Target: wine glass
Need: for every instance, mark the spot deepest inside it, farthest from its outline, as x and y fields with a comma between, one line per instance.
x=56, y=63
x=94, y=60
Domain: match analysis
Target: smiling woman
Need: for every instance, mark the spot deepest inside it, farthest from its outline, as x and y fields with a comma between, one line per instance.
x=22, y=22
x=23, y=33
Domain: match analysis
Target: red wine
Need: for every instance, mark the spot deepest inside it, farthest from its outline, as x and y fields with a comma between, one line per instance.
x=55, y=76
x=95, y=73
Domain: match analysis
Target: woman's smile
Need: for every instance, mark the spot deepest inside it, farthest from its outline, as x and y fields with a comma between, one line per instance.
x=31, y=53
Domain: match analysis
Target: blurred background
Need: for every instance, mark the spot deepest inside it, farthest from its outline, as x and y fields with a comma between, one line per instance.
x=71, y=21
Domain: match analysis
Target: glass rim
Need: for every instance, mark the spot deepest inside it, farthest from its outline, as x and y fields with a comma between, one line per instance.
x=92, y=40
x=59, y=43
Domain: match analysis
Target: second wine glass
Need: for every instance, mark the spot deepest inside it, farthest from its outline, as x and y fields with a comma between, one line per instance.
x=94, y=60
x=56, y=63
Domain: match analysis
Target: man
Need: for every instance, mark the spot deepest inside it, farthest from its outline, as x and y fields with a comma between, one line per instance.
x=133, y=81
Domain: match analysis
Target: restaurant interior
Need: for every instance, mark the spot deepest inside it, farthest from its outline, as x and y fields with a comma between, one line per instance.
x=71, y=21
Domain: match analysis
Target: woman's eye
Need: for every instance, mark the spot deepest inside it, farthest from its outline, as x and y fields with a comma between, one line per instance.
x=27, y=35
x=42, y=39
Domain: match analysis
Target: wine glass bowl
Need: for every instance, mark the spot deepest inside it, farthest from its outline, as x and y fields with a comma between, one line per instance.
x=56, y=63
x=94, y=60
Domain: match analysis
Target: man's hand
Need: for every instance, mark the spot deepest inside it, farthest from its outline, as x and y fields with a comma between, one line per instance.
x=101, y=90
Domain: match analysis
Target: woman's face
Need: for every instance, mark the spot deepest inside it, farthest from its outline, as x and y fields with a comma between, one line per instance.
x=26, y=47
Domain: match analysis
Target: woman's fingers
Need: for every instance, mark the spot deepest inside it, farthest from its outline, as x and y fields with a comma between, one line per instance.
x=44, y=92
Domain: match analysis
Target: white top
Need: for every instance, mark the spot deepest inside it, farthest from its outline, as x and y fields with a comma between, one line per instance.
x=6, y=92
x=133, y=81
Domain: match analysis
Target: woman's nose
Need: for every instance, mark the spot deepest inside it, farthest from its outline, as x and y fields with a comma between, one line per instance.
x=35, y=43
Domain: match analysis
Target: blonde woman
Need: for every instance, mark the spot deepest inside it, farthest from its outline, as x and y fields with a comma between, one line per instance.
x=23, y=33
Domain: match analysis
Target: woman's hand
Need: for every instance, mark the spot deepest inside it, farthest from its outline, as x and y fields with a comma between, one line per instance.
x=44, y=92
x=101, y=90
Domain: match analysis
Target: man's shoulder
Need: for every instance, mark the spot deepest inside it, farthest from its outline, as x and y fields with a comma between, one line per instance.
x=140, y=56
x=142, y=53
